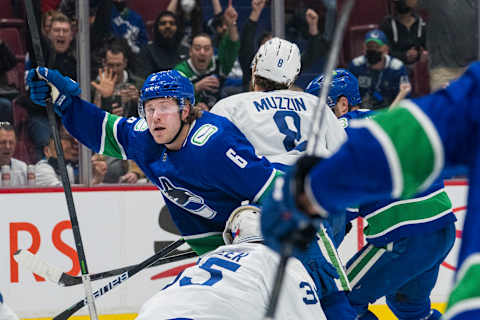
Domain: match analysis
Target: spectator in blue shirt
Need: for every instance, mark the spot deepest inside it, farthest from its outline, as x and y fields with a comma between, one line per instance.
x=378, y=73
x=128, y=24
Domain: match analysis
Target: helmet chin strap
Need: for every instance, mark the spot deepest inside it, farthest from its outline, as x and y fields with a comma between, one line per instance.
x=182, y=124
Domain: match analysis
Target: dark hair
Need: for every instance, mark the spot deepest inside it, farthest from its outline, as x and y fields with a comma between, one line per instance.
x=60, y=17
x=118, y=45
x=269, y=85
x=163, y=14
x=263, y=36
x=203, y=34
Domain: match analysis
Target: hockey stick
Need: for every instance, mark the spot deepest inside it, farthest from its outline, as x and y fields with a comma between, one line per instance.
x=37, y=48
x=315, y=128
x=120, y=279
x=38, y=266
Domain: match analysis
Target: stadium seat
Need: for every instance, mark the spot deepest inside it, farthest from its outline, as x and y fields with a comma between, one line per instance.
x=6, y=9
x=16, y=76
x=148, y=9
x=11, y=36
x=12, y=22
x=24, y=150
x=366, y=11
x=420, y=79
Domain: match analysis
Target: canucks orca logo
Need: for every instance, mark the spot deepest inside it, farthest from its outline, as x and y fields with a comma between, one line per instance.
x=185, y=199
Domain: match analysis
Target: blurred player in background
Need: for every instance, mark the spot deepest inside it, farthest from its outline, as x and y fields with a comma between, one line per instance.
x=409, y=146
x=408, y=238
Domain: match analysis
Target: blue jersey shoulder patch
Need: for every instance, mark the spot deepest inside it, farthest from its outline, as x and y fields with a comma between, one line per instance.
x=201, y=136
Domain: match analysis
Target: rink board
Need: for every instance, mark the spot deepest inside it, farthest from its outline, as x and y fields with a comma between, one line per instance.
x=119, y=226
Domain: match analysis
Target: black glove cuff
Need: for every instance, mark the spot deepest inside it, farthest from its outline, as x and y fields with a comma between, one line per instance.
x=302, y=169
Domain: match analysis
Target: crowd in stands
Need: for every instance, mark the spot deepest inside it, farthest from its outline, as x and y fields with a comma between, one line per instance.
x=213, y=43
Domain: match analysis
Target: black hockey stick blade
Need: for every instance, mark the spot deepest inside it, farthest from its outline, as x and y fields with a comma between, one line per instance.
x=54, y=274
x=120, y=279
x=70, y=280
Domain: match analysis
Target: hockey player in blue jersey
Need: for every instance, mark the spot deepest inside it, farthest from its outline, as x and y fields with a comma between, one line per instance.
x=410, y=145
x=343, y=97
x=395, y=228
x=203, y=166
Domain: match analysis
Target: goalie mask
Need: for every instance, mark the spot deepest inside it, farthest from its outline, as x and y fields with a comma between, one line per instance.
x=243, y=225
x=344, y=83
x=166, y=84
x=277, y=60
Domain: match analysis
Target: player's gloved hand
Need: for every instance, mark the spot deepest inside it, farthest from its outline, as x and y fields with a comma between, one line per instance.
x=46, y=84
x=322, y=272
x=281, y=221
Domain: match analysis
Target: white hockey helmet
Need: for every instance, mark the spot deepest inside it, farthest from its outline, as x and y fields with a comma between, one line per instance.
x=243, y=225
x=277, y=60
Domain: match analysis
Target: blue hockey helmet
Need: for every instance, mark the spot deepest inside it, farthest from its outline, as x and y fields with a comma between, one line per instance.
x=344, y=83
x=166, y=84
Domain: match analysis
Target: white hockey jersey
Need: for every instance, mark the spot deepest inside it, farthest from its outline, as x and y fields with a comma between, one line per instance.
x=278, y=123
x=235, y=282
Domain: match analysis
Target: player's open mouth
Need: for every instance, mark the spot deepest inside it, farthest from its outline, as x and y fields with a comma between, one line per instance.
x=158, y=129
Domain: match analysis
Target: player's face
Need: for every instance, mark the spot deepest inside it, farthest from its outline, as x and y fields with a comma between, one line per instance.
x=201, y=52
x=61, y=36
x=341, y=107
x=162, y=118
x=7, y=145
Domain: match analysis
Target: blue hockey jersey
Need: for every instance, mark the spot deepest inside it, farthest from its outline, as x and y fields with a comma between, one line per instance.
x=214, y=171
x=389, y=220
x=410, y=145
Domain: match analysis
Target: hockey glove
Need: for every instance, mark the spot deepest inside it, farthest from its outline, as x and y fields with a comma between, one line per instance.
x=322, y=272
x=46, y=84
x=281, y=221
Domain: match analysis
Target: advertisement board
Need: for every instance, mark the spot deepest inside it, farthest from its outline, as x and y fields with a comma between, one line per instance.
x=119, y=226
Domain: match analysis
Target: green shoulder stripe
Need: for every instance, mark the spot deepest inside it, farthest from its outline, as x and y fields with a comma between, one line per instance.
x=413, y=166
x=110, y=145
x=267, y=186
x=465, y=296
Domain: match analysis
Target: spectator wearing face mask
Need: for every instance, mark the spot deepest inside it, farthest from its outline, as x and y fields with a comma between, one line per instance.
x=377, y=72
x=166, y=49
x=128, y=24
x=405, y=31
